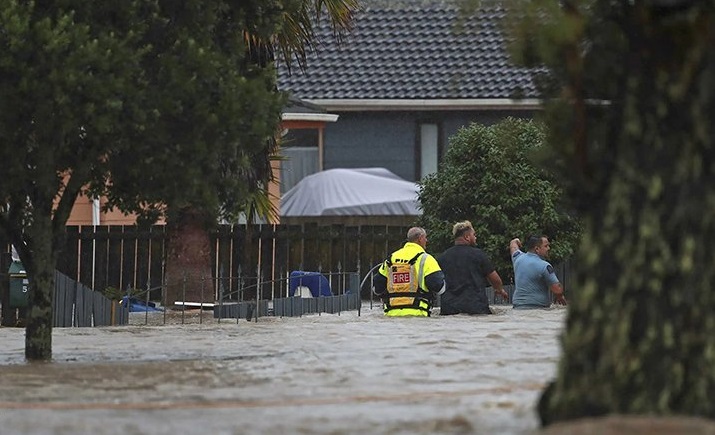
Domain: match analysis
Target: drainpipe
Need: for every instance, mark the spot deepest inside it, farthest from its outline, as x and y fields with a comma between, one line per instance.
x=95, y=222
x=95, y=211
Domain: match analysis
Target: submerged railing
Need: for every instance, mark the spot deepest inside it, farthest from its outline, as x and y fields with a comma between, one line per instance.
x=290, y=296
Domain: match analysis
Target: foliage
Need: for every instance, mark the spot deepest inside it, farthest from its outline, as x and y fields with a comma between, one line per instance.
x=209, y=107
x=296, y=34
x=487, y=177
x=70, y=78
x=152, y=103
x=162, y=106
x=630, y=90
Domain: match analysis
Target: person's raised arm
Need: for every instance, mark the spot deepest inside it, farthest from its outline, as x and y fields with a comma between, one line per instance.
x=514, y=245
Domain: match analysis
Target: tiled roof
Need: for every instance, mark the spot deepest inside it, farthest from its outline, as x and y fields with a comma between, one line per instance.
x=411, y=50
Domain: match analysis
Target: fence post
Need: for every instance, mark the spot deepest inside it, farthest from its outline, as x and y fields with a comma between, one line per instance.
x=163, y=296
x=341, y=293
x=239, y=290
x=258, y=289
x=241, y=281
x=320, y=285
x=183, y=298
x=359, y=289
x=287, y=285
x=128, y=301
x=369, y=285
x=201, y=305
x=220, y=300
x=146, y=309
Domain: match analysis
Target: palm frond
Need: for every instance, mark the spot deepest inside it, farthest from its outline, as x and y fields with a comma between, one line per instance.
x=297, y=35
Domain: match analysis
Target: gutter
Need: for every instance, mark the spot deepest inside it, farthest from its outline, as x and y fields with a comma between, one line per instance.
x=362, y=105
x=316, y=117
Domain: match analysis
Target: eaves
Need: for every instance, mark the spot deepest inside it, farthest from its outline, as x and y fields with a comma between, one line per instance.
x=477, y=104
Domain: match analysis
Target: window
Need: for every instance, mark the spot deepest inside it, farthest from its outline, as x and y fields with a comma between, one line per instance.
x=301, y=151
x=428, y=153
x=300, y=162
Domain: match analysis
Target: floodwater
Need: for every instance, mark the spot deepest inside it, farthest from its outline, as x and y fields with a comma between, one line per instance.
x=317, y=374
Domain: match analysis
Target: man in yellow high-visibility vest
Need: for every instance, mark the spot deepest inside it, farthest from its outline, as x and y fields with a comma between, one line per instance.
x=410, y=279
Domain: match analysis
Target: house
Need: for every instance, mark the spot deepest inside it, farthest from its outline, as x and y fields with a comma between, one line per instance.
x=406, y=78
x=409, y=75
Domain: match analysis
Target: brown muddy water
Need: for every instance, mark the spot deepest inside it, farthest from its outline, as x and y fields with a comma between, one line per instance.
x=327, y=374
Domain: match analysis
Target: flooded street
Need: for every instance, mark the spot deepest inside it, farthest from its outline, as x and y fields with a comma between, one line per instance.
x=327, y=374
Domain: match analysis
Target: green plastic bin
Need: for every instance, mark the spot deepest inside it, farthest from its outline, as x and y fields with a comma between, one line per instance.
x=19, y=285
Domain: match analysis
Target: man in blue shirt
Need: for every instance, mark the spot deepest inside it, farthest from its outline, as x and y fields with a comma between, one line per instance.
x=535, y=277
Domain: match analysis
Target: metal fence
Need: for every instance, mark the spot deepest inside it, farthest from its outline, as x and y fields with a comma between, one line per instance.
x=73, y=305
x=128, y=256
x=341, y=292
x=248, y=262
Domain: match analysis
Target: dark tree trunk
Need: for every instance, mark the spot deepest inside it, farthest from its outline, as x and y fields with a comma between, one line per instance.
x=188, y=263
x=640, y=334
x=40, y=262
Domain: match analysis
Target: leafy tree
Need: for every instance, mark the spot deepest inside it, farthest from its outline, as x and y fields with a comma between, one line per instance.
x=487, y=177
x=167, y=108
x=147, y=102
x=66, y=91
x=631, y=92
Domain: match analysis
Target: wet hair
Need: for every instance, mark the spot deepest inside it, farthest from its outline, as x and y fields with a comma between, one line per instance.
x=533, y=241
x=414, y=233
x=461, y=228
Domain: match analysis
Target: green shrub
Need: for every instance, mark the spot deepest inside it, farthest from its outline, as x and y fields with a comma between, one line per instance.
x=488, y=177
